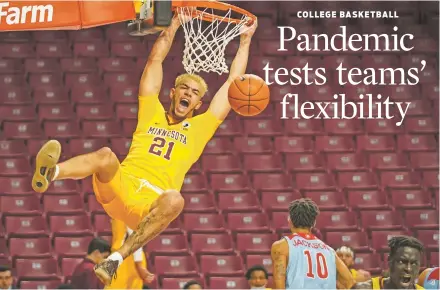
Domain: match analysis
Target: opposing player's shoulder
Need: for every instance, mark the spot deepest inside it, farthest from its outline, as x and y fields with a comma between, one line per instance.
x=363, y=285
x=280, y=246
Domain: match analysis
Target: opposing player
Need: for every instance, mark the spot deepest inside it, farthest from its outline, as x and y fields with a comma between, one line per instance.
x=302, y=261
x=143, y=191
x=404, y=266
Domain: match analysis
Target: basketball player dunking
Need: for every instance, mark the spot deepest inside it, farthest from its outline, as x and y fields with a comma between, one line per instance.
x=144, y=191
x=404, y=266
x=302, y=261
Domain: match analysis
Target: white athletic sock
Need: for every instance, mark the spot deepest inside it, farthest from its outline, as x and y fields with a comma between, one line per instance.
x=116, y=257
x=57, y=171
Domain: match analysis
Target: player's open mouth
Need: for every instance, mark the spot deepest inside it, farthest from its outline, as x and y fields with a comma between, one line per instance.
x=406, y=280
x=184, y=103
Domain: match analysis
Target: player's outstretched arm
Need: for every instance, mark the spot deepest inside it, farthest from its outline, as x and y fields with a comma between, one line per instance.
x=151, y=80
x=220, y=104
x=279, y=253
x=345, y=279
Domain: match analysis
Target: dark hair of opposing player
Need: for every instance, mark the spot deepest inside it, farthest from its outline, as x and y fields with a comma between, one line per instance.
x=98, y=244
x=303, y=213
x=398, y=242
x=190, y=283
x=256, y=268
x=4, y=268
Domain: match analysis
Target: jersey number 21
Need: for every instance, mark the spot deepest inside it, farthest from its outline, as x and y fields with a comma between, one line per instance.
x=158, y=148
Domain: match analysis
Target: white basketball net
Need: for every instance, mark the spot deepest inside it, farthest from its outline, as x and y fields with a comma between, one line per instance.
x=205, y=41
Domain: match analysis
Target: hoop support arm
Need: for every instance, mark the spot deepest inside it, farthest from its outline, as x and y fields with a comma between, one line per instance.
x=63, y=15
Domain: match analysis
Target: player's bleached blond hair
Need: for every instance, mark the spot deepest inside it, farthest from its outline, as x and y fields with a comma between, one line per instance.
x=198, y=79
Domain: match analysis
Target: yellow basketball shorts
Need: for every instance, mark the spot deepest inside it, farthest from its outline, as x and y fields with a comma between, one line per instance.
x=125, y=197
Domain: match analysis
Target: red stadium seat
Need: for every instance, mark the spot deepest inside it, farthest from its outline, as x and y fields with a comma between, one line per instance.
x=16, y=185
x=175, y=266
x=253, y=145
x=343, y=127
x=429, y=238
x=379, y=239
x=72, y=246
x=78, y=64
x=229, y=128
x=62, y=204
x=56, y=112
x=256, y=243
x=357, y=180
x=411, y=199
x=315, y=181
x=334, y=144
x=22, y=204
x=336, y=221
x=128, y=49
x=304, y=162
x=91, y=49
x=327, y=200
x=247, y=222
x=260, y=127
x=62, y=130
x=424, y=160
x=86, y=35
x=420, y=125
x=271, y=181
x=55, y=50
x=33, y=65
x=221, y=265
x=219, y=145
x=356, y=240
x=263, y=162
x=303, y=127
x=30, y=225
x=51, y=95
x=178, y=282
x=95, y=112
x=381, y=220
x=82, y=79
x=203, y=222
x=400, y=179
x=371, y=199
x=16, y=96
x=14, y=166
x=114, y=64
x=196, y=202
x=30, y=247
x=4, y=251
x=293, y=144
x=228, y=283
x=17, y=50
x=166, y=244
x=70, y=224
x=102, y=223
x=368, y=262
x=276, y=201
x=211, y=244
x=12, y=65
x=18, y=113
x=194, y=183
x=416, y=143
x=345, y=161
x=36, y=268
x=127, y=111
x=65, y=186
x=261, y=259
x=238, y=202
x=89, y=94
x=101, y=129
x=45, y=79
x=12, y=148
x=221, y=163
x=82, y=146
x=375, y=143
x=431, y=178
x=421, y=219
x=45, y=284
x=382, y=126
x=229, y=182
x=434, y=259
x=388, y=161
x=279, y=221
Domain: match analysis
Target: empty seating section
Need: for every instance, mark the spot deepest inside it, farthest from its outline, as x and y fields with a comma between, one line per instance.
x=371, y=178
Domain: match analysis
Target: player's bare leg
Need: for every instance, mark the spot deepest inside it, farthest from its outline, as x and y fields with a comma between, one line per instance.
x=163, y=211
x=103, y=162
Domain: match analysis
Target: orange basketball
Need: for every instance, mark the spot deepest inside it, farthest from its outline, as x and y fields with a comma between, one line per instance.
x=249, y=95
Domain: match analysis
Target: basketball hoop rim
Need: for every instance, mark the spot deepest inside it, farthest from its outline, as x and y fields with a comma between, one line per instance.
x=213, y=4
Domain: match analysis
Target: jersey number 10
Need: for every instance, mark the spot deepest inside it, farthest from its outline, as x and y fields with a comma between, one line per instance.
x=157, y=148
x=320, y=265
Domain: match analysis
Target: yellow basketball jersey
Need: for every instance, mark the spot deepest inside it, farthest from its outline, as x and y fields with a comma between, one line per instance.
x=377, y=283
x=162, y=153
x=126, y=275
x=353, y=273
